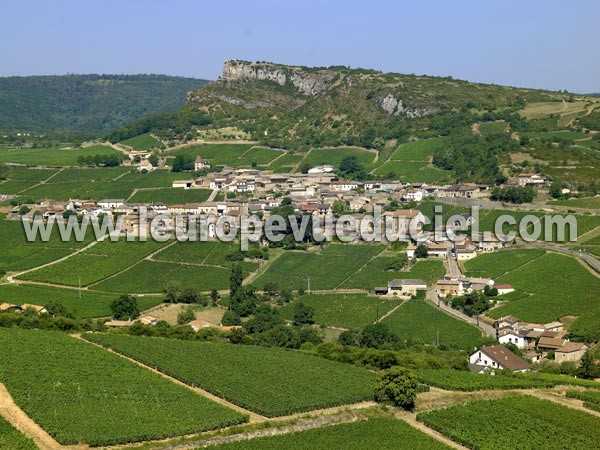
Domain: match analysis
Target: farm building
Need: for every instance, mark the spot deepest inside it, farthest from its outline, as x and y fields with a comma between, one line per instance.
x=406, y=287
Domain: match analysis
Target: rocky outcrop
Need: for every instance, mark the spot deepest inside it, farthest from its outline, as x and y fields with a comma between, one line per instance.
x=392, y=105
x=309, y=83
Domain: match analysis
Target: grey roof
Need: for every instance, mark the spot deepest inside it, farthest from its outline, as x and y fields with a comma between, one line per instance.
x=406, y=282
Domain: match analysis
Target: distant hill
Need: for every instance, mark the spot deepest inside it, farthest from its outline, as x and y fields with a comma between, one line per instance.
x=90, y=104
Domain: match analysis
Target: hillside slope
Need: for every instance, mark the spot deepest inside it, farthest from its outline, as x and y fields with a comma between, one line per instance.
x=87, y=103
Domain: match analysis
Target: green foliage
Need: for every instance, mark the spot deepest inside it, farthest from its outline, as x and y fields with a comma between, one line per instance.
x=533, y=423
x=250, y=376
x=186, y=315
x=68, y=387
x=12, y=439
x=142, y=142
x=61, y=156
x=303, y=314
x=514, y=194
x=472, y=303
x=125, y=308
x=421, y=251
x=398, y=385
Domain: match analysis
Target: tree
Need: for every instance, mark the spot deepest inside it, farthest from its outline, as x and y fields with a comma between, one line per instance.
x=285, y=296
x=24, y=209
x=421, y=251
x=303, y=314
x=377, y=335
x=399, y=385
x=271, y=289
x=153, y=159
x=230, y=319
x=338, y=208
x=398, y=263
x=125, y=308
x=236, y=279
x=173, y=291
x=264, y=319
x=490, y=291
x=352, y=167
x=57, y=308
x=189, y=295
x=587, y=367
x=214, y=296
x=186, y=315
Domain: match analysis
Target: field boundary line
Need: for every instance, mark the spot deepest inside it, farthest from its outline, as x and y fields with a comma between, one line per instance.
x=139, y=261
x=391, y=311
x=39, y=183
x=253, y=417
x=564, y=401
x=25, y=424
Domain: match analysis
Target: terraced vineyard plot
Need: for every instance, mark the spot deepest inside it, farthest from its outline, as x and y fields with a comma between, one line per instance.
x=326, y=269
x=334, y=156
x=418, y=150
x=12, y=439
x=559, y=285
x=170, y=196
x=154, y=179
x=376, y=274
x=269, y=381
x=413, y=171
x=378, y=433
x=142, y=142
x=53, y=156
x=219, y=154
x=342, y=310
x=495, y=264
x=418, y=321
x=82, y=394
x=99, y=261
x=70, y=175
x=26, y=174
x=533, y=424
x=91, y=304
x=155, y=276
x=286, y=162
x=589, y=202
x=260, y=156
x=210, y=253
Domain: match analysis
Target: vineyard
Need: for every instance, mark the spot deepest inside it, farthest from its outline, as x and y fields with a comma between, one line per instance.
x=456, y=380
x=376, y=274
x=82, y=394
x=270, y=381
x=342, y=310
x=377, y=433
x=418, y=321
x=515, y=421
x=591, y=399
x=11, y=439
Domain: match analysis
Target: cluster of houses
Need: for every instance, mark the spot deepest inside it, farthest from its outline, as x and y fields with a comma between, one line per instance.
x=539, y=340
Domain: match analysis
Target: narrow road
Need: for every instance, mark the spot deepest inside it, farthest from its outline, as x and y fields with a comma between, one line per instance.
x=587, y=258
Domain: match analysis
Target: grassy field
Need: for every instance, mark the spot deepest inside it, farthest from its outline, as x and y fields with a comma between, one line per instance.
x=342, y=310
x=91, y=304
x=559, y=285
x=375, y=274
x=327, y=269
x=376, y=433
x=494, y=264
x=170, y=196
x=142, y=142
x=53, y=156
x=418, y=321
x=488, y=128
x=80, y=393
x=418, y=150
x=538, y=110
x=249, y=376
x=334, y=156
x=533, y=423
x=12, y=439
x=99, y=261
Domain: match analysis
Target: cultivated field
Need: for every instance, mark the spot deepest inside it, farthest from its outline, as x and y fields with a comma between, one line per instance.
x=533, y=423
x=589, y=202
x=94, y=264
x=419, y=322
x=82, y=394
x=52, y=156
x=234, y=155
x=493, y=265
x=327, y=269
x=413, y=171
x=142, y=142
x=342, y=310
x=170, y=196
x=376, y=433
x=375, y=274
x=90, y=304
x=334, y=156
x=418, y=150
x=559, y=286
x=251, y=377
x=11, y=439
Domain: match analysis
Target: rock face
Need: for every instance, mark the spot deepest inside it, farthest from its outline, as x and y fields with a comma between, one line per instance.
x=309, y=83
x=392, y=105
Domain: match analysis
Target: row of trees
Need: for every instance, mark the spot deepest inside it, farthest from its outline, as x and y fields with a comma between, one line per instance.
x=111, y=160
